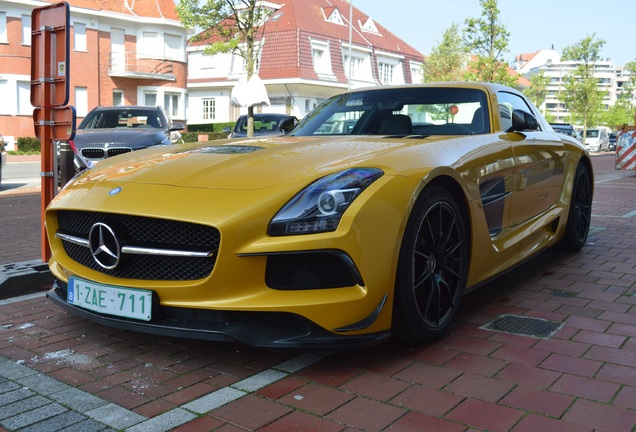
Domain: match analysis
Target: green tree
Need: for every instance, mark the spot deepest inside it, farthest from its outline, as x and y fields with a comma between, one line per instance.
x=538, y=89
x=447, y=61
x=232, y=26
x=487, y=39
x=582, y=96
x=617, y=114
x=624, y=109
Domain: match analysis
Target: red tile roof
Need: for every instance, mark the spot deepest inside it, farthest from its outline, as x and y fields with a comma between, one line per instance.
x=141, y=8
x=288, y=33
x=525, y=57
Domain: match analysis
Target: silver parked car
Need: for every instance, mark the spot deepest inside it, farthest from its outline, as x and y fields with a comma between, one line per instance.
x=110, y=131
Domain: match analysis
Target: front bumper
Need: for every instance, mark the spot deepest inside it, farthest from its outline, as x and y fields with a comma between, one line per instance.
x=270, y=330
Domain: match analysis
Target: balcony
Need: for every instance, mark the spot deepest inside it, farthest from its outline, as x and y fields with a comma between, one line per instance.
x=140, y=66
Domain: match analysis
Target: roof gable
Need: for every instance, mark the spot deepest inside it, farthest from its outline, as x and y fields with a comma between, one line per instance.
x=332, y=15
x=369, y=26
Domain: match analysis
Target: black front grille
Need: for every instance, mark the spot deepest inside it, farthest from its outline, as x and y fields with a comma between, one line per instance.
x=147, y=233
x=97, y=153
x=117, y=151
x=93, y=153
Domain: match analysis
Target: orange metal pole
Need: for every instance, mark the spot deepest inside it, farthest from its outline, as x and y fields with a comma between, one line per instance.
x=47, y=163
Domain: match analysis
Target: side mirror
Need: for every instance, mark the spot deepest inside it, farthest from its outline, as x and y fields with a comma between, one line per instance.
x=226, y=129
x=523, y=121
x=177, y=126
x=287, y=124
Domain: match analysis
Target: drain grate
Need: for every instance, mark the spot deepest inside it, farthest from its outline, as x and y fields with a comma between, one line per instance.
x=524, y=326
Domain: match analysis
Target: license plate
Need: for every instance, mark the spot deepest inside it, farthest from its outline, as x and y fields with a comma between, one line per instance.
x=111, y=300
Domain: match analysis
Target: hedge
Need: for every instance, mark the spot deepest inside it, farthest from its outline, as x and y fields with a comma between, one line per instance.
x=28, y=145
x=194, y=136
x=209, y=127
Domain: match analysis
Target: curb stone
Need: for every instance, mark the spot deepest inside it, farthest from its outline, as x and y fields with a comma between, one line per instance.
x=25, y=277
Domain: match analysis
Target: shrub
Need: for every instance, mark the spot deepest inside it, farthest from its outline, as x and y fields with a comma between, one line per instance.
x=189, y=136
x=28, y=145
x=194, y=136
x=209, y=127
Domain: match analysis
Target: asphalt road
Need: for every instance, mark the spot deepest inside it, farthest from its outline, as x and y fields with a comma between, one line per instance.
x=20, y=177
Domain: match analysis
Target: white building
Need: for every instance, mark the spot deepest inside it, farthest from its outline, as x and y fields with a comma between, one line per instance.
x=610, y=78
x=305, y=58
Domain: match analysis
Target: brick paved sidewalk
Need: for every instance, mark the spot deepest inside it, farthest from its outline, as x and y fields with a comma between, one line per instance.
x=72, y=372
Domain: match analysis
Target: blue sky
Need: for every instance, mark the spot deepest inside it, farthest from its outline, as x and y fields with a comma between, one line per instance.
x=533, y=24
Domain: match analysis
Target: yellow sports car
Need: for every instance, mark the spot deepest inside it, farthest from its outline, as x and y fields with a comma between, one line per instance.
x=370, y=219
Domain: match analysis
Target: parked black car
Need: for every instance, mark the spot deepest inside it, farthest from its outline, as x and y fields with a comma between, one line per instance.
x=264, y=124
x=612, y=142
x=109, y=131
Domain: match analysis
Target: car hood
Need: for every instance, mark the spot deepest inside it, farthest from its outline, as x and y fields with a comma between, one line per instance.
x=244, y=164
x=134, y=138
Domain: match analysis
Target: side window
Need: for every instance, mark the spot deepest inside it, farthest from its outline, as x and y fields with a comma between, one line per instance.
x=508, y=102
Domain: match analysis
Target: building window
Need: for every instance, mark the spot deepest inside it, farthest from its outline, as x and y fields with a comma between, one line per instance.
x=81, y=101
x=173, y=47
x=79, y=36
x=150, y=99
x=24, y=98
x=6, y=108
x=151, y=46
x=26, y=29
x=118, y=97
x=3, y=27
x=356, y=67
x=417, y=73
x=321, y=57
x=209, y=109
x=385, y=70
x=171, y=103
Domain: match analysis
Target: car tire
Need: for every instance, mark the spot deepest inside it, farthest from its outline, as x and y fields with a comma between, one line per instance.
x=580, y=211
x=432, y=268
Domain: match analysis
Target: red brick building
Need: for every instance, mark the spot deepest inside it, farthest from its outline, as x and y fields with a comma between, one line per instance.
x=122, y=53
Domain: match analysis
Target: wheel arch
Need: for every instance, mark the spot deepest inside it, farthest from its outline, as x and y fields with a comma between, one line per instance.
x=456, y=190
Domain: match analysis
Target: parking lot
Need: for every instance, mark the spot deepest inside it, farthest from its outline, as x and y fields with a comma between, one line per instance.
x=59, y=372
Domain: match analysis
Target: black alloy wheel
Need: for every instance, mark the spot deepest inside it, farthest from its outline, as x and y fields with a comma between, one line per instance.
x=432, y=268
x=580, y=212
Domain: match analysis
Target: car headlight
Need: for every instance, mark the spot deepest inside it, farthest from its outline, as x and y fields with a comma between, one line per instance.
x=320, y=206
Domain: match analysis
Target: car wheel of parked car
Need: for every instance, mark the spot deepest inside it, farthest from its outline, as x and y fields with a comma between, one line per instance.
x=432, y=267
x=580, y=211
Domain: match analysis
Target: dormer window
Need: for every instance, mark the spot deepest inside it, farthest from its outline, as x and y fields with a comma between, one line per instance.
x=370, y=27
x=332, y=15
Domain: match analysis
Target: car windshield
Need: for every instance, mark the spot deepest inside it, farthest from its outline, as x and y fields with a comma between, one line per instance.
x=401, y=111
x=592, y=133
x=263, y=124
x=122, y=118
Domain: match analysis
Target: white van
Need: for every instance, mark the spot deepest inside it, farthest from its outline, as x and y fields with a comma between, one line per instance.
x=597, y=139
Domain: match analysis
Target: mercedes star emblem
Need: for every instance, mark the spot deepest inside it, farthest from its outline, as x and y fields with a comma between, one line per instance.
x=104, y=246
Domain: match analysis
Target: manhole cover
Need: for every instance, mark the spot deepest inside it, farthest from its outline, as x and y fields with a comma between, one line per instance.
x=524, y=326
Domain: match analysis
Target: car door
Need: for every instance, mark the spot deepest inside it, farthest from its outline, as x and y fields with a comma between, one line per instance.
x=538, y=163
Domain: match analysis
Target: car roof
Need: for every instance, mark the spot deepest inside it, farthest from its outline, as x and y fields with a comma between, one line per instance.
x=120, y=107
x=270, y=115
